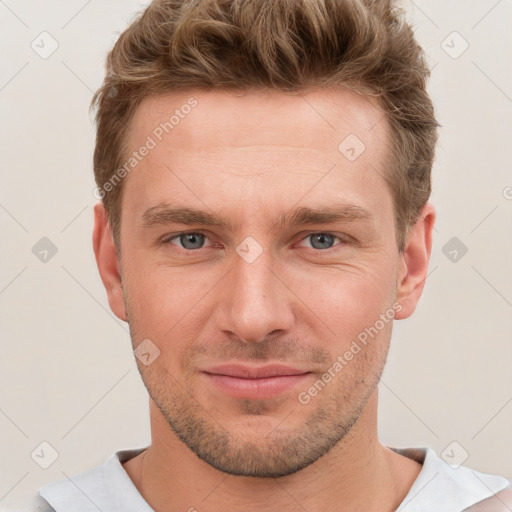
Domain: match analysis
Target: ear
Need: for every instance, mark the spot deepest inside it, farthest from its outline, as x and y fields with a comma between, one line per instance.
x=413, y=266
x=108, y=261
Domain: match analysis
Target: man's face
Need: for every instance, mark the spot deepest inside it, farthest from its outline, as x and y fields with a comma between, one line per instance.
x=260, y=290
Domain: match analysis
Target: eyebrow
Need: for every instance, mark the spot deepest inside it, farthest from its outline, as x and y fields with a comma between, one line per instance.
x=164, y=213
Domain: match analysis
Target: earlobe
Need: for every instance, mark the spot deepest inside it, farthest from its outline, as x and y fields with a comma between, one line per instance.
x=108, y=262
x=414, y=262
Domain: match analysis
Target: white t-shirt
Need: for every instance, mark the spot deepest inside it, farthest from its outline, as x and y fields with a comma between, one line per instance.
x=438, y=488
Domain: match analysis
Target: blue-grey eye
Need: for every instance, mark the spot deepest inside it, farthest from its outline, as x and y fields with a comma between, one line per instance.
x=191, y=240
x=322, y=240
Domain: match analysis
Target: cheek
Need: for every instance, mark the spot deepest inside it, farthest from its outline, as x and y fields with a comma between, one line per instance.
x=165, y=300
x=172, y=302
x=349, y=299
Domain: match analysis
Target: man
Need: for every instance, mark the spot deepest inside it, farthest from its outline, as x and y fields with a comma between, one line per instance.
x=264, y=174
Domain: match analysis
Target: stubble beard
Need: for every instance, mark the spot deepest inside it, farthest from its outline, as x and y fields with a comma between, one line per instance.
x=283, y=450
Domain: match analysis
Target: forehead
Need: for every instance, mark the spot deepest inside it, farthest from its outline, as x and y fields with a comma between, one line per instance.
x=265, y=145
x=315, y=118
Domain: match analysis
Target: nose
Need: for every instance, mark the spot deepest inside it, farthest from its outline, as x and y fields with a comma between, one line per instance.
x=256, y=300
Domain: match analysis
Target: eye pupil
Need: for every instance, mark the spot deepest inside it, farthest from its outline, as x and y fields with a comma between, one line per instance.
x=193, y=239
x=323, y=238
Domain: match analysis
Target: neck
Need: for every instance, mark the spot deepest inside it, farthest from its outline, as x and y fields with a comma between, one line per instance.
x=357, y=474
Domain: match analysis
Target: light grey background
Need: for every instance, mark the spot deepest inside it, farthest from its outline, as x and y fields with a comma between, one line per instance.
x=67, y=373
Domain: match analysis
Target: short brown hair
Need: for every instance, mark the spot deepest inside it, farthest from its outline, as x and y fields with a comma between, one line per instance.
x=286, y=45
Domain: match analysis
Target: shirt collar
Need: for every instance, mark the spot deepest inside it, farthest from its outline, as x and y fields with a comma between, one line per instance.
x=438, y=487
x=443, y=488
x=106, y=487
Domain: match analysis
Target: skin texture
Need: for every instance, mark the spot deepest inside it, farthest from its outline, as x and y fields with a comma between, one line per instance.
x=302, y=302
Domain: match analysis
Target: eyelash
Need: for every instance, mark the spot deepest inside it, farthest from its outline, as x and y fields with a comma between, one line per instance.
x=343, y=240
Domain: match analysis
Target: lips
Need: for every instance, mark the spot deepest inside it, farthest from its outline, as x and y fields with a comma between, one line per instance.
x=251, y=372
x=251, y=382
